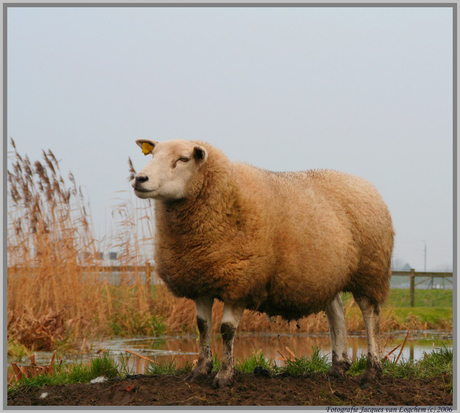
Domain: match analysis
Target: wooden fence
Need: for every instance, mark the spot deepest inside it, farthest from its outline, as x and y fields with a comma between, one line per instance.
x=412, y=274
x=147, y=269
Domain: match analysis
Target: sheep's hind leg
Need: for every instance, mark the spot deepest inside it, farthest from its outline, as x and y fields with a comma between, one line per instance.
x=371, y=315
x=204, y=322
x=230, y=321
x=336, y=317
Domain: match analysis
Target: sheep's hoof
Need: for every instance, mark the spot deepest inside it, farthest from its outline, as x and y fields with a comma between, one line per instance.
x=337, y=372
x=199, y=372
x=339, y=369
x=223, y=379
x=373, y=372
x=371, y=376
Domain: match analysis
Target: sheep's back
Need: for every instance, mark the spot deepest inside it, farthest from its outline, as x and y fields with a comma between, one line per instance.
x=330, y=231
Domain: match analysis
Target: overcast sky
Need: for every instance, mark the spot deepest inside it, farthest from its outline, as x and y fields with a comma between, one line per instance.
x=362, y=90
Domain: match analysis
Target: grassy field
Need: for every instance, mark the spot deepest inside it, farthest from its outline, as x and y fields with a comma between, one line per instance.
x=424, y=298
x=433, y=309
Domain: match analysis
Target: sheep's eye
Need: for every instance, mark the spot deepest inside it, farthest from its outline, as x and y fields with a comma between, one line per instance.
x=184, y=159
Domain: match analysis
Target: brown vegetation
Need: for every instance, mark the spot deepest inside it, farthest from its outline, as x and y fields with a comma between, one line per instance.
x=38, y=333
x=50, y=294
x=31, y=370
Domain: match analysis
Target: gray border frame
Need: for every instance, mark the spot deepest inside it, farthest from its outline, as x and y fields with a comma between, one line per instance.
x=455, y=205
x=216, y=5
x=234, y=5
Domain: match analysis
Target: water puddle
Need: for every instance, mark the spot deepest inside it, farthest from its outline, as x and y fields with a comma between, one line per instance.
x=184, y=349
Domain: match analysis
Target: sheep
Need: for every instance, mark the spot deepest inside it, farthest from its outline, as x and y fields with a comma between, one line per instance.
x=279, y=243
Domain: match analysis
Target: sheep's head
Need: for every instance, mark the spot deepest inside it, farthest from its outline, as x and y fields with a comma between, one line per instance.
x=174, y=171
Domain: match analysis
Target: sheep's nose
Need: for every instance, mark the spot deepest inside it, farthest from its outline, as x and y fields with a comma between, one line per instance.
x=140, y=179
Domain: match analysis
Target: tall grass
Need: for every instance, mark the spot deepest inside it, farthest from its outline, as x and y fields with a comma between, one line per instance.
x=53, y=295
x=48, y=228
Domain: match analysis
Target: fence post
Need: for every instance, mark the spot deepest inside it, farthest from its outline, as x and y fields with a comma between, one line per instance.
x=412, y=287
x=148, y=274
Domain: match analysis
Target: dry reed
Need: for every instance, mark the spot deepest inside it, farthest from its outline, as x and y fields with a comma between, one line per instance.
x=51, y=293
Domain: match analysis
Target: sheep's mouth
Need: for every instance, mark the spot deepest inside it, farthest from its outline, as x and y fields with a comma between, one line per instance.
x=145, y=193
x=139, y=188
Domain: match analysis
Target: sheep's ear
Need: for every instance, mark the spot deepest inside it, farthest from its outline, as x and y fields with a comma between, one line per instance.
x=200, y=154
x=146, y=145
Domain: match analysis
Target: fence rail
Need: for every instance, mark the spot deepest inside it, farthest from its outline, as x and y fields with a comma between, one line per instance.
x=413, y=274
x=148, y=269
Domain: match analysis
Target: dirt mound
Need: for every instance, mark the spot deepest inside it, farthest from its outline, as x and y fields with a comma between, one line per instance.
x=248, y=390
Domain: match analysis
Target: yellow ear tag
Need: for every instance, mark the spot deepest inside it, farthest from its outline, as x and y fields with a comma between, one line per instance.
x=146, y=148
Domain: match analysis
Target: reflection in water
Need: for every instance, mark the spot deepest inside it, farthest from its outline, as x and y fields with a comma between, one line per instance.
x=185, y=349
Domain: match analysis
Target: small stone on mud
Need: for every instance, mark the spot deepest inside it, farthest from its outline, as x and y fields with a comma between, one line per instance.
x=100, y=379
x=43, y=395
x=260, y=371
x=340, y=395
x=133, y=376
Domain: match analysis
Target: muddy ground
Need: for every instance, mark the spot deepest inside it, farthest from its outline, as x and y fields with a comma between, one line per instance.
x=248, y=390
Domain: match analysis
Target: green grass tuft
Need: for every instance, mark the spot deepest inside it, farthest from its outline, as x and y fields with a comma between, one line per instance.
x=72, y=373
x=404, y=369
x=169, y=367
x=255, y=360
x=303, y=365
x=104, y=366
x=123, y=367
x=437, y=363
x=440, y=361
x=358, y=366
x=216, y=364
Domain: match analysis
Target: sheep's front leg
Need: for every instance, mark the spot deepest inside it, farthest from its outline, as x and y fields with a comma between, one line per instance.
x=230, y=321
x=204, y=322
